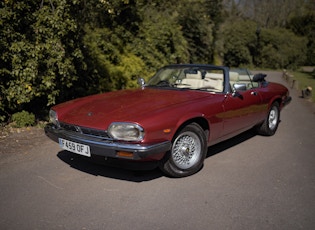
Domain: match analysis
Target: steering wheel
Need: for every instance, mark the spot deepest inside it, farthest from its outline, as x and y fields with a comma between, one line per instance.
x=164, y=83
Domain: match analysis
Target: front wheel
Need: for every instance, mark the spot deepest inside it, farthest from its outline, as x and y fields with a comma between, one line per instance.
x=271, y=122
x=188, y=152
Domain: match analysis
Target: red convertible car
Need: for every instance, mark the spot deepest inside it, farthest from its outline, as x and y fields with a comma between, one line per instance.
x=172, y=119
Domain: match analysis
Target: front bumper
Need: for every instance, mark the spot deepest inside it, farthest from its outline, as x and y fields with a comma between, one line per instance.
x=109, y=148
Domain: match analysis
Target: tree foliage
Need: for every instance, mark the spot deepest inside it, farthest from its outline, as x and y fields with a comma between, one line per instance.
x=238, y=44
x=282, y=49
x=304, y=25
x=40, y=54
x=260, y=33
x=56, y=50
x=244, y=43
x=268, y=14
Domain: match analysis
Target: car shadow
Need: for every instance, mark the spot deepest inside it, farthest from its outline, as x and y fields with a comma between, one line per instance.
x=220, y=147
x=97, y=168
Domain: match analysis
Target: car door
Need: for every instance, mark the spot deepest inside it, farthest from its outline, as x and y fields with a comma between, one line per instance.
x=243, y=108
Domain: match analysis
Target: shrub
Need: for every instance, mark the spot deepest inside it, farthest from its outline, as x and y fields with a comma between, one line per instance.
x=22, y=119
x=282, y=49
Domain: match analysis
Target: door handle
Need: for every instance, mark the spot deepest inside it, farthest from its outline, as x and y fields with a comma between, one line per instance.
x=253, y=93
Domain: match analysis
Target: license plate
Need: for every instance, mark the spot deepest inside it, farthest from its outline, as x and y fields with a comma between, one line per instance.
x=75, y=147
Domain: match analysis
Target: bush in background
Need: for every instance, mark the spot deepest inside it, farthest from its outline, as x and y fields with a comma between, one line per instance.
x=23, y=119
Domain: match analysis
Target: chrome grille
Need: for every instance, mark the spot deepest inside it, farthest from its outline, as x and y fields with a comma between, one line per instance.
x=84, y=130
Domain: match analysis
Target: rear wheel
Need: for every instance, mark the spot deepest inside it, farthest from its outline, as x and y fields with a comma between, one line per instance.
x=188, y=152
x=271, y=122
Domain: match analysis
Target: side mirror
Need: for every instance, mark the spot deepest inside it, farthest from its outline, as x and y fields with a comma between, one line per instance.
x=239, y=86
x=141, y=82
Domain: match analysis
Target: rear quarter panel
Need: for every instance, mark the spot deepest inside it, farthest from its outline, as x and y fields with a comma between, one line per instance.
x=273, y=92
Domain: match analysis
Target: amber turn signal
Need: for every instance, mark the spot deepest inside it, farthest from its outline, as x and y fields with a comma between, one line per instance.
x=124, y=154
x=167, y=130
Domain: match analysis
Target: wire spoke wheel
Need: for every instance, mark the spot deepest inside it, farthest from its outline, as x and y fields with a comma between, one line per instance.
x=186, y=150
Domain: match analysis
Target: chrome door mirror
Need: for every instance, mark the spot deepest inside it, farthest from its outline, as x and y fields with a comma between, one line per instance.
x=141, y=82
x=239, y=87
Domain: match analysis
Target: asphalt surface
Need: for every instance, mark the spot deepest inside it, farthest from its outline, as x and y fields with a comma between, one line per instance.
x=248, y=182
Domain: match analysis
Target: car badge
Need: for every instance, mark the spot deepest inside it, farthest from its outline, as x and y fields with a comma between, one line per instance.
x=78, y=129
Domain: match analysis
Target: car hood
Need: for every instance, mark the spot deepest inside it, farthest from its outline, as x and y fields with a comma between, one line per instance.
x=98, y=111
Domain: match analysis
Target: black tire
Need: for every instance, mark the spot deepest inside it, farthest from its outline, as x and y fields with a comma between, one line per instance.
x=188, y=152
x=271, y=122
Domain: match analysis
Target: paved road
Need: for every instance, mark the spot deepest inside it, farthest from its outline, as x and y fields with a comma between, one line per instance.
x=248, y=182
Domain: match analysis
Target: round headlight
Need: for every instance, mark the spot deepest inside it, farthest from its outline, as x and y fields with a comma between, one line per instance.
x=53, y=117
x=126, y=131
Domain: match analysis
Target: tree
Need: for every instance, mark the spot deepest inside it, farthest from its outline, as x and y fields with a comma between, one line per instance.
x=111, y=63
x=305, y=26
x=268, y=14
x=14, y=47
x=56, y=50
x=159, y=40
x=40, y=55
x=244, y=44
x=282, y=49
x=198, y=20
x=238, y=43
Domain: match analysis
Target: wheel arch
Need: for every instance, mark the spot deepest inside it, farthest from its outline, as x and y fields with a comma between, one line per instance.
x=201, y=121
x=275, y=99
x=170, y=165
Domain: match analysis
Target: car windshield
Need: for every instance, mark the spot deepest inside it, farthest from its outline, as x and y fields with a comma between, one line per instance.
x=189, y=77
